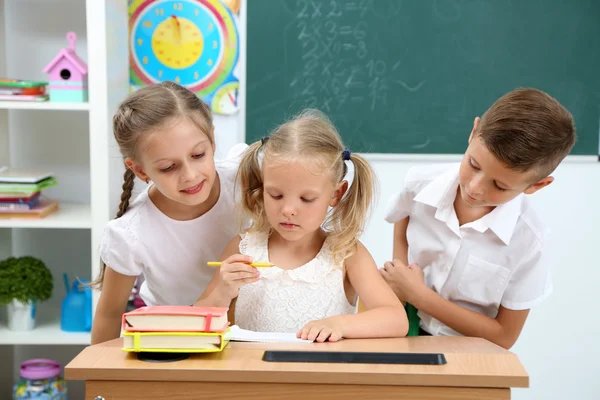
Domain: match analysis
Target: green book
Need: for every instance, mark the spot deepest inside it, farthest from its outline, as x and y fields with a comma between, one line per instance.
x=27, y=187
x=21, y=83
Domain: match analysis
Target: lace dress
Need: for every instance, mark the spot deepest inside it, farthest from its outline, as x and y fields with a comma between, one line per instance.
x=285, y=300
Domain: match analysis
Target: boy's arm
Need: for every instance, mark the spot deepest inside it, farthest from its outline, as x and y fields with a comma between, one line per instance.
x=400, y=241
x=504, y=330
x=408, y=283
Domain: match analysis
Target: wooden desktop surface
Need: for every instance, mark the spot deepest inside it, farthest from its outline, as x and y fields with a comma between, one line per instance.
x=471, y=364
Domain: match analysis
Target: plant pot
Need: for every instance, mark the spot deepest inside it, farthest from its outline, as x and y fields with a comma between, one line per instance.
x=21, y=317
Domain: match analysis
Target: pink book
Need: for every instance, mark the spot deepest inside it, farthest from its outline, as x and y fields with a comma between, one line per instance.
x=176, y=319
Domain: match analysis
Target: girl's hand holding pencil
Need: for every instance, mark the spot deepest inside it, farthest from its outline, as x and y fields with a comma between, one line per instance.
x=235, y=272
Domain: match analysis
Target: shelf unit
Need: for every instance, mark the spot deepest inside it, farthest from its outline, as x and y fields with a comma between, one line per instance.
x=69, y=216
x=43, y=105
x=46, y=333
x=74, y=140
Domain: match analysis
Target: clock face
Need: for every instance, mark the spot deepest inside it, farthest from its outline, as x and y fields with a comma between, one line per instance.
x=191, y=42
x=225, y=100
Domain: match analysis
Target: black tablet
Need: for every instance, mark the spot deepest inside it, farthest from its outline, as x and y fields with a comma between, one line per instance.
x=354, y=357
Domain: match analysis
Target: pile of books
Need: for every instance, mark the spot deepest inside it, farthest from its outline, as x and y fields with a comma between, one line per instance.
x=22, y=90
x=175, y=329
x=21, y=193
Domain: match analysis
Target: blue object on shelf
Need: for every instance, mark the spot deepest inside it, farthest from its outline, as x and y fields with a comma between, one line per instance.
x=76, y=312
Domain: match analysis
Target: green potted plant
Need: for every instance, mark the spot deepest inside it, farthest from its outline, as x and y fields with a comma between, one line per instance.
x=24, y=282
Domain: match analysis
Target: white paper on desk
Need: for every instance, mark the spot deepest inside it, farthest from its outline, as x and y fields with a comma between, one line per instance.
x=242, y=335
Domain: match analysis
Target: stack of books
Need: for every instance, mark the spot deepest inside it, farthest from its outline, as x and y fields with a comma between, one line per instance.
x=175, y=329
x=21, y=193
x=22, y=90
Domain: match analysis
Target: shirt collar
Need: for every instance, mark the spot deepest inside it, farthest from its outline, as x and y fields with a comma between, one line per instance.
x=441, y=192
x=503, y=219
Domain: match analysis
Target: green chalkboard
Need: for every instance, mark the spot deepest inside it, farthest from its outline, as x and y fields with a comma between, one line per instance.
x=410, y=76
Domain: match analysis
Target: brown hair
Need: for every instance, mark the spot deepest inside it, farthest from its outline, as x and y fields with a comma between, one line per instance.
x=143, y=112
x=311, y=139
x=527, y=129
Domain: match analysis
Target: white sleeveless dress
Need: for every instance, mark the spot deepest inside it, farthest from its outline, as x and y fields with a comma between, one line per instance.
x=285, y=300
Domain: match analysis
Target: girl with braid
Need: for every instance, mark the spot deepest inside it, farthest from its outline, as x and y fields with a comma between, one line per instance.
x=182, y=220
x=305, y=219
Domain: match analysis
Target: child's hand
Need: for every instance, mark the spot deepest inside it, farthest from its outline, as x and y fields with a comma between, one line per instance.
x=321, y=330
x=407, y=282
x=235, y=273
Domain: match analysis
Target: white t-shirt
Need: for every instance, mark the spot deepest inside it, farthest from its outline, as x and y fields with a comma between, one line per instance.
x=171, y=254
x=497, y=260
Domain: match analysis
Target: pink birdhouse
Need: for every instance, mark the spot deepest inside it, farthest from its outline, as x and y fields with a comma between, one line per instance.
x=68, y=75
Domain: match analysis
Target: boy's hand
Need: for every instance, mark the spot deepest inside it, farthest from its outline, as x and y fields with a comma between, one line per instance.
x=407, y=282
x=235, y=273
x=321, y=330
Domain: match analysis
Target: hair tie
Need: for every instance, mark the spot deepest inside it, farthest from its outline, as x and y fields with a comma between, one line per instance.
x=346, y=154
x=263, y=140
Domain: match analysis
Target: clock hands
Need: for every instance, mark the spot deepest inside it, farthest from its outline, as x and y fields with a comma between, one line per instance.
x=176, y=29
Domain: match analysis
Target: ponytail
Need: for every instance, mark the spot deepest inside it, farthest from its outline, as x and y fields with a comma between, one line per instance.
x=128, y=183
x=347, y=221
x=250, y=178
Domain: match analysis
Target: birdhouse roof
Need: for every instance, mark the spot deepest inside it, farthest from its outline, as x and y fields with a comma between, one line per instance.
x=73, y=58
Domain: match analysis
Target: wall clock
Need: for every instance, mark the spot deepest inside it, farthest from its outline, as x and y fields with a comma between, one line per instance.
x=192, y=42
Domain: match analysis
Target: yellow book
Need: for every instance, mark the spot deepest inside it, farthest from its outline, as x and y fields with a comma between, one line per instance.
x=175, y=342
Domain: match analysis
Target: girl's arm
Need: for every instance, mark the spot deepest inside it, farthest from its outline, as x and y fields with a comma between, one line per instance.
x=227, y=279
x=116, y=290
x=384, y=315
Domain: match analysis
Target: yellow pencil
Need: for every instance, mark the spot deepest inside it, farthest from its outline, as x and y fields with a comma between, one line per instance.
x=254, y=264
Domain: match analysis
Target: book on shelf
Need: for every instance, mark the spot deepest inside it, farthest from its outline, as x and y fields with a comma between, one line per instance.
x=22, y=90
x=21, y=83
x=23, y=175
x=43, y=209
x=23, y=189
x=20, y=204
x=9, y=198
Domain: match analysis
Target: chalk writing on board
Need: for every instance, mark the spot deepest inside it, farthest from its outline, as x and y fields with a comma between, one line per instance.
x=410, y=76
x=338, y=66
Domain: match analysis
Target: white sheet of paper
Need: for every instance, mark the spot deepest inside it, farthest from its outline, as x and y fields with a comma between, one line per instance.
x=242, y=335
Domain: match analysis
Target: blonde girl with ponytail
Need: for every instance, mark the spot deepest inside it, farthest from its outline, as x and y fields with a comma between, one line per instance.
x=306, y=219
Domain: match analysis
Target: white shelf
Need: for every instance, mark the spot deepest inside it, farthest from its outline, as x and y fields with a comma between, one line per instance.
x=44, y=333
x=68, y=216
x=43, y=105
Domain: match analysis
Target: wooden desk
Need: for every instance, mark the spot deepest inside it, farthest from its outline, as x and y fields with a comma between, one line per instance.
x=476, y=369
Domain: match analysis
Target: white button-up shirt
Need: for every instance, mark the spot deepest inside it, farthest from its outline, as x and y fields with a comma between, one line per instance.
x=495, y=260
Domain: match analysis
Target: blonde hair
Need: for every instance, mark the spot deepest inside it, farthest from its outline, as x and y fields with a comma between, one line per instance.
x=311, y=139
x=143, y=112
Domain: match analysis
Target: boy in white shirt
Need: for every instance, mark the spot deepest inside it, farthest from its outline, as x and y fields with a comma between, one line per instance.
x=468, y=248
